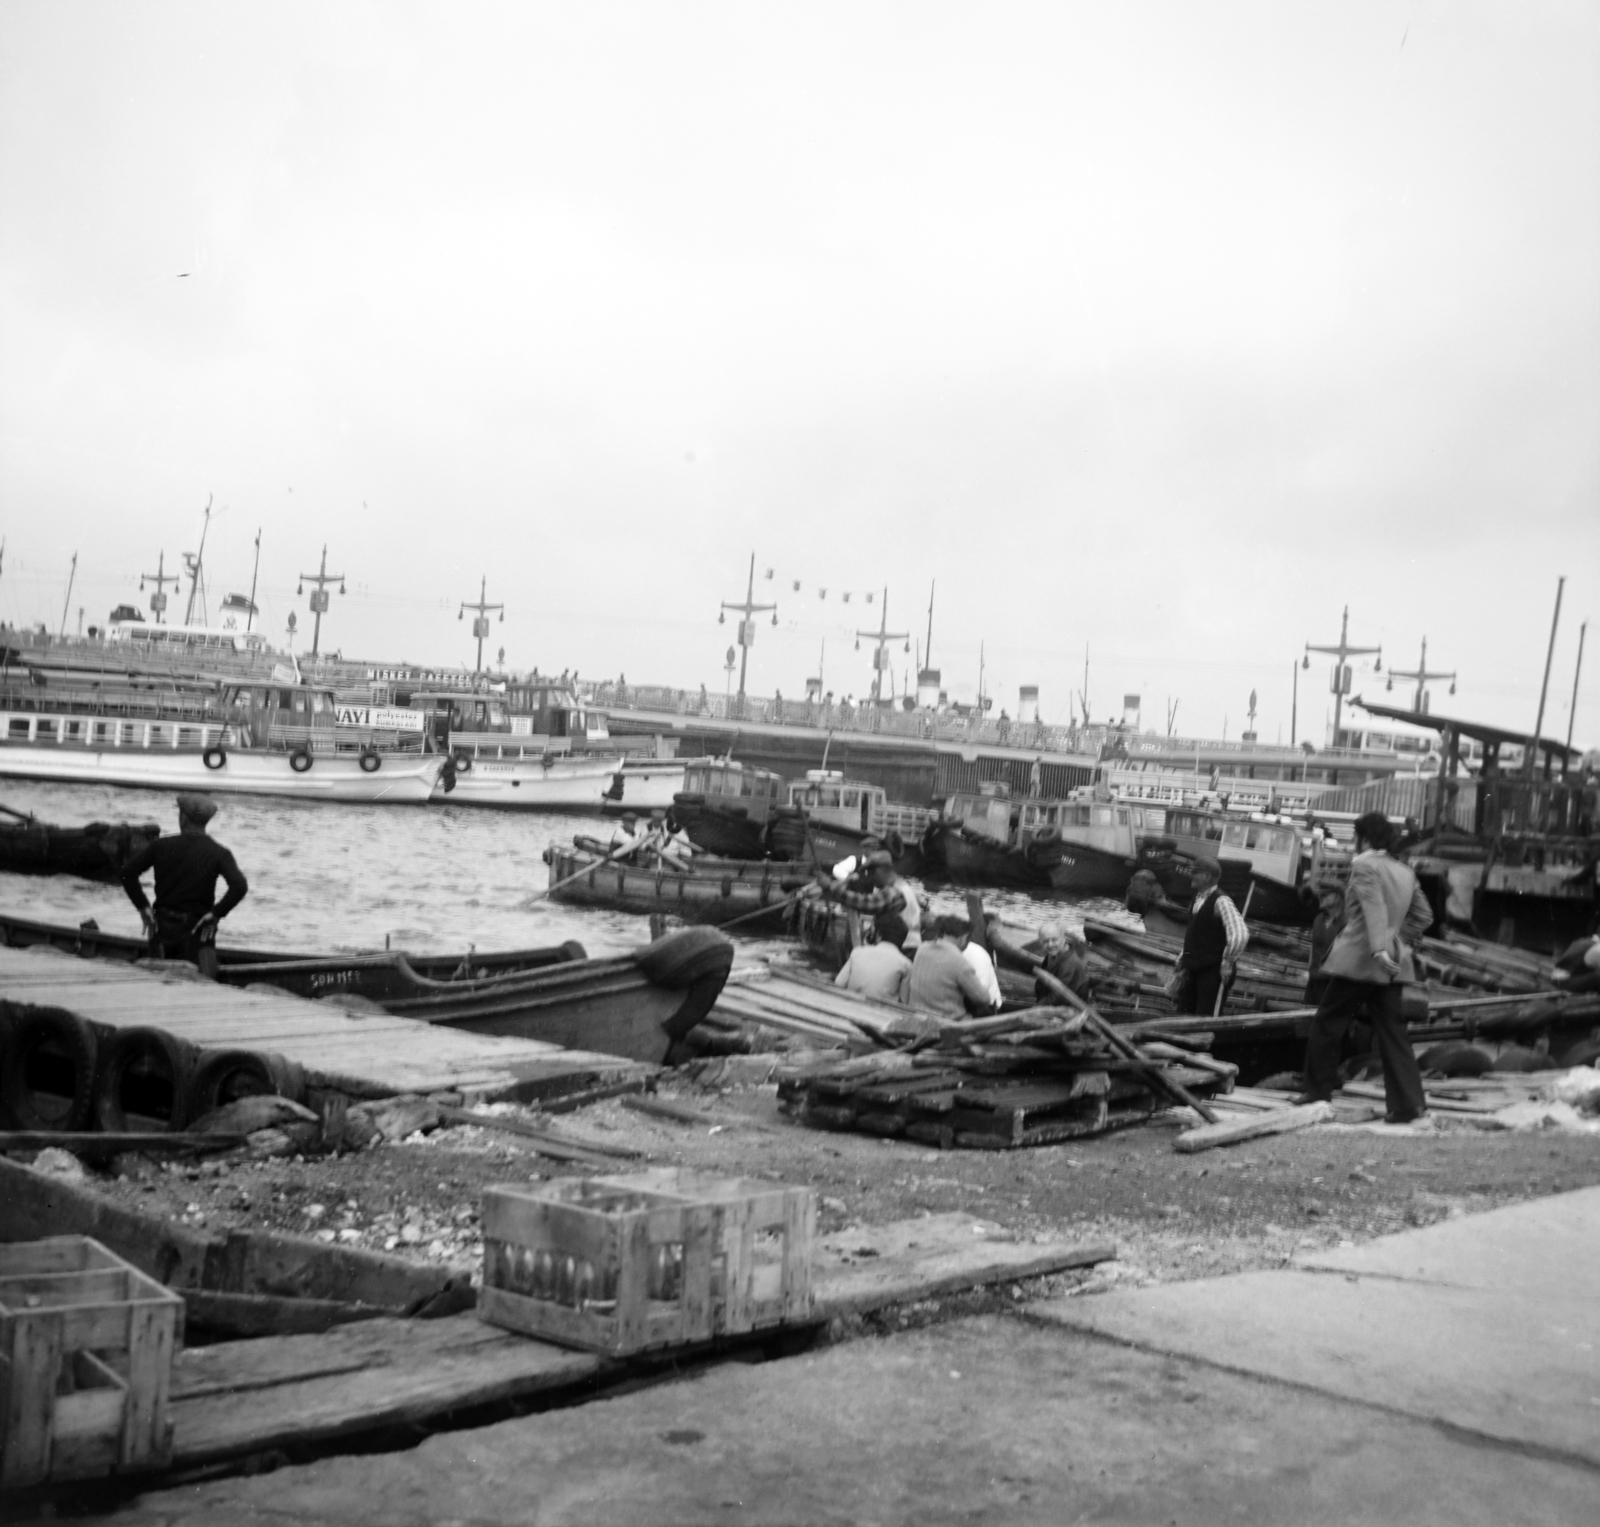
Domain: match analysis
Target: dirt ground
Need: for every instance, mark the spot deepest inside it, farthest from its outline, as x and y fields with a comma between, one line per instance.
x=1247, y=1206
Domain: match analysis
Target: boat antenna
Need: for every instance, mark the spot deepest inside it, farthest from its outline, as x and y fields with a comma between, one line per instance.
x=927, y=651
x=826, y=744
x=1571, y=714
x=1538, y=725
x=64, y=608
x=250, y=614
x=161, y=578
x=1083, y=694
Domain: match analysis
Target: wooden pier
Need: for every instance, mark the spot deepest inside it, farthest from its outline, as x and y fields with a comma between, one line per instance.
x=364, y=1055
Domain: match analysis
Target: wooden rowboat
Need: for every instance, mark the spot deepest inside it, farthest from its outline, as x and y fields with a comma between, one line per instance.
x=99, y=851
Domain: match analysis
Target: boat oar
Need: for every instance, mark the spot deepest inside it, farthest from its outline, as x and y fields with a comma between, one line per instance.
x=621, y=848
x=21, y=816
x=1125, y=1047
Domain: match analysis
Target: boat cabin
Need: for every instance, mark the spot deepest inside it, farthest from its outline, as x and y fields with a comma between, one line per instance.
x=446, y=712
x=723, y=782
x=828, y=798
x=1273, y=849
x=551, y=709
x=1115, y=826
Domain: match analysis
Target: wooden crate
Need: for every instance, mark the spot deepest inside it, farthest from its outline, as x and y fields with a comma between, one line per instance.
x=86, y=1344
x=646, y=1260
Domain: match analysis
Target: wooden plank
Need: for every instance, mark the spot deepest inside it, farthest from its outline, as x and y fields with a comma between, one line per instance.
x=546, y=1142
x=33, y=1362
x=1230, y=1132
x=146, y=1431
x=253, y=1315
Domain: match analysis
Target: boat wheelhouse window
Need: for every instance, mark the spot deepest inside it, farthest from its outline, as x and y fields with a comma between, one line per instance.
x=744, y=785
x=1211, y=830
x=830, y=797
x=852, y=797
x=1122, y=817
x=1234, y=835
x=72, y=731
x=1102, y=816
x=17, y=727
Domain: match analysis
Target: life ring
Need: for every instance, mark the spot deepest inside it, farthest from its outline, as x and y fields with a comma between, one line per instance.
x=462, y=759
x=214, y=758
x=300, y=760
x=371, y=761
x=894, y=843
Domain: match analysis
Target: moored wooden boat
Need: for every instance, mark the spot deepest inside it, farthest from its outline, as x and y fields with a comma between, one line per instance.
x=1079, y=846
x=636, y=1006
x=828, y=818
x=724, y=806
x=97, y=851
x=754, y=892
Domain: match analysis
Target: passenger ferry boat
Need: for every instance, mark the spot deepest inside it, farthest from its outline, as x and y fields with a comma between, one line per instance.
x=263, y=739
x=725, y=807
x=1271, y=853
x=1085, y=844
x=826, y=818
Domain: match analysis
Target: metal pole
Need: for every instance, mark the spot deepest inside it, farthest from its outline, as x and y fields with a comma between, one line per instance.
x=483, y=597
x=744, y=631
x=1573, y=712
x=1294, y=705
x=1550, y=652
x=316, y=630
x=67, y=603
x=250, y=614
x=1338, y=688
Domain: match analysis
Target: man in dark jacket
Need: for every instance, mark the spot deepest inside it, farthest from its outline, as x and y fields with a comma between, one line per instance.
x=1212, y=944
x=183, y=925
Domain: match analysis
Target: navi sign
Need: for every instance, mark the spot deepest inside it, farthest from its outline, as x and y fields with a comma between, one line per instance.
x=380, y=717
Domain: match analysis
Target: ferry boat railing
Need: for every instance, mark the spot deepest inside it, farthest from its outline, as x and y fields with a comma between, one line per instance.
x=510, y=745
x=287, y=737
x=46, y=730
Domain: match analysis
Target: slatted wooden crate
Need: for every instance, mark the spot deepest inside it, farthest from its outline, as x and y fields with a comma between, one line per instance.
x=646, y=1260
x=86, y=1344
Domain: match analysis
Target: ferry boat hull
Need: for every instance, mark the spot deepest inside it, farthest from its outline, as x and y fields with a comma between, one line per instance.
x=754, y=892
x=642, y=785
x=791, y=836
x=1088, y=871
x=720, y=828
x=399, y=779
x=971, y=859
x=552, y=782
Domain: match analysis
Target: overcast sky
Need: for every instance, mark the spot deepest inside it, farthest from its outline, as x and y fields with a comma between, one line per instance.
x=1168, y=329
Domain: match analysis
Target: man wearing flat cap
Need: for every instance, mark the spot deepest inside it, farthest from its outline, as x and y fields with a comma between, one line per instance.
x=1212, y=944
x=183, y=925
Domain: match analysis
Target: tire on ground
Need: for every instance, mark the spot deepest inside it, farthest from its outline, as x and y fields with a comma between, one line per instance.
x=47, y=1073
x=224, y=1076
x=146, y=1081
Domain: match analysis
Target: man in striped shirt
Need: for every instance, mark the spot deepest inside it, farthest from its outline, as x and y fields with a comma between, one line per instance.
x=1215, y=939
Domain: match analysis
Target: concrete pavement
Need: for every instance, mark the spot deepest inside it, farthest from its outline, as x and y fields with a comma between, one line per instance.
x=1300, y=1396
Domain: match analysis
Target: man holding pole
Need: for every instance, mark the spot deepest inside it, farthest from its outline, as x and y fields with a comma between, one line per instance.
x=1212, y=944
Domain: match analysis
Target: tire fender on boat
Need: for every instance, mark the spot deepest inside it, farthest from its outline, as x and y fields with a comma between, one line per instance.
x=300, y=760
x=214, y=758
x=462, y=760
x=55, y=1036
x=695, y=961
x=148, y=1055
x=371, y=760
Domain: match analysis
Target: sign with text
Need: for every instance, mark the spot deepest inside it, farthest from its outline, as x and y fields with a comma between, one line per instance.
x=381, y=718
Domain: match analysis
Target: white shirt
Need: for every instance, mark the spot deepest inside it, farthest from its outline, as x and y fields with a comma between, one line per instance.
x=978, y=958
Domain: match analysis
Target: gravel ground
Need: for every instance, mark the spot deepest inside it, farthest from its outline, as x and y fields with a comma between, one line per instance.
x=1246, y=1206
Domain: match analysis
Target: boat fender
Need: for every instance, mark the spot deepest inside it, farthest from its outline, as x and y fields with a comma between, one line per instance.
x=371, y=761
x=573, y=950
x=69, y=1047
x=447, y=774
x=225, y=1076
x=300, y=760
x=688, y=958
x=214, y=758
x=894, y=843
x=148, y=1072
x=462, y=761
x=1047, y=837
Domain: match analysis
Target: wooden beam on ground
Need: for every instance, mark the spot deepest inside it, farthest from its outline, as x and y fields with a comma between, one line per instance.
x=544, y=1141
x=1280, y=1123
x=658, y=1108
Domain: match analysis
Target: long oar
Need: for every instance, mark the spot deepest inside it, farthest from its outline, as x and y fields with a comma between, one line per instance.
x=21, y=816
x=621, y=848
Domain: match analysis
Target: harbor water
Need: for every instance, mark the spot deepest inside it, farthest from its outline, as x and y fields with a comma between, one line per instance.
x=335, y=879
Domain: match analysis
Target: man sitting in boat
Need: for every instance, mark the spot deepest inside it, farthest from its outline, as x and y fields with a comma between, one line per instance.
x=183, y=925
x=672, y=847
x=982, y=963
x=879, y=970
x=942, y=981
x=625, y=839
x=1061, y=960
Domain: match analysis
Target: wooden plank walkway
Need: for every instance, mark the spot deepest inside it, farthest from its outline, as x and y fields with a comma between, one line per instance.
x=244, y=1398
x=367, y=1055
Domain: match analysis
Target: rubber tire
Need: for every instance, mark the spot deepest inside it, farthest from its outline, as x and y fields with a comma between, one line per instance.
x=371, y=762
x=6, y=1121
x=680, y=958
x=126, y=1048
x=300, y=760
x=462, y=760
x=573, y=950
x=223, y=1075
x=221, y=755
x=1047, y=837
x=29, y=1027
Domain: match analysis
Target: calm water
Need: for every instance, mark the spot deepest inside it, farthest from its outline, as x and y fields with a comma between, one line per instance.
x=327, y=878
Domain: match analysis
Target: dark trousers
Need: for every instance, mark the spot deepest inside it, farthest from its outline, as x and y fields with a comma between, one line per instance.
x=1200, y=992
x=1344, y=1001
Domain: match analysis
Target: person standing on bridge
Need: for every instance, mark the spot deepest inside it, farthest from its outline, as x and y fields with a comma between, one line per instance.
x=183, y=925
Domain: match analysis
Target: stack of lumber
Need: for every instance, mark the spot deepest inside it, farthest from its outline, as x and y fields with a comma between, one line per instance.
x=1028, y=1078
x=1459, y=960
x=1272, y=973
x=773, y=1005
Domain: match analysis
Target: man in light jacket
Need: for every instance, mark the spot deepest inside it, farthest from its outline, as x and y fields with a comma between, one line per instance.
x=1385, y=911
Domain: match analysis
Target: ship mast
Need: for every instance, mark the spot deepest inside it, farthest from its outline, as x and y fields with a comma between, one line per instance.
x=195, y=562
